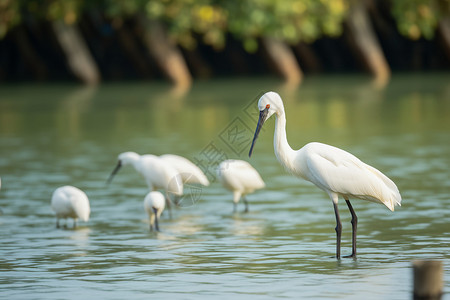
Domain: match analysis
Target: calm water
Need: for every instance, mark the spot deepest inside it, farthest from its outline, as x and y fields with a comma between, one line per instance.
x=53, y=135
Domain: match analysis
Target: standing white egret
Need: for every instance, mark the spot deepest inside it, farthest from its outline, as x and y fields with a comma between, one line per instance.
x=189, y=172
x=239, y=177
x=333, y=170
x=70, y=202
x=158, y=174
x=154, y=205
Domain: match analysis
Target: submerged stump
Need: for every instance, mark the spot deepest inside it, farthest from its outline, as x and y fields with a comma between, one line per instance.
x=428, y=283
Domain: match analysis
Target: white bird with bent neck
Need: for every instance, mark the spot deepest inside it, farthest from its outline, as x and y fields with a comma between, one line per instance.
x=154, y=205
x=333, y=170
x=241, y=178
x=70, y=202
x=158, y=174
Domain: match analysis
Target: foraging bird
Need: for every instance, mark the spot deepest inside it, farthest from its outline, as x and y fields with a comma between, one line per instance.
x=70, y=202
x=157, y=173
x=154, y=204
x=331, y=169
x=189, y=172
x=239, y=177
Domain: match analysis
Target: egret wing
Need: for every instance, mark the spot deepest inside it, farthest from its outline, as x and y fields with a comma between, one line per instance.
x=189, y=172
x=336, y=170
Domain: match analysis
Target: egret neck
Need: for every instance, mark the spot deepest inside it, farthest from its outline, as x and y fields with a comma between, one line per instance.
x=283, y=151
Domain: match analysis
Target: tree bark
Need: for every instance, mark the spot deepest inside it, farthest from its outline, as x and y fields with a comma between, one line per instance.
x=309, y=60
x=167, y=55
x=444, y=32
x=365, y=43
x=79, y=59
x=283, y=60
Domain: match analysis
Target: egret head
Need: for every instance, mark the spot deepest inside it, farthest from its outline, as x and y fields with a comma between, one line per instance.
x=124, y=159
x=268, y=104
x=127, y=158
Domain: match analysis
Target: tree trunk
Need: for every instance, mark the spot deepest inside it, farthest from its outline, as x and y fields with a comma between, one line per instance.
x=444, y=32
x=309, y=60
x=365, y=44
x=80, y=60
x=167, y=55
x=283, y=60
x=199, y=67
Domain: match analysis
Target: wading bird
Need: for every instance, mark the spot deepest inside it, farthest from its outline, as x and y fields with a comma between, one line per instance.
x=331, y=169
x=241, y=178
x=189, y=172
x=70, y=202
x=158, y=174
x=154, y=204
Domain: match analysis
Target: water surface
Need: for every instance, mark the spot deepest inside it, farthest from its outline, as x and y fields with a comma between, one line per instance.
x=53, y=135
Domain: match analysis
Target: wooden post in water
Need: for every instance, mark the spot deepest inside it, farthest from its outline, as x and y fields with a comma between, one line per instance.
x=428, y=283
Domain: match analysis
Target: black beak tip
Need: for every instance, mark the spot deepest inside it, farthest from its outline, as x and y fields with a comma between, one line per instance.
x=262, y=117
x=116, y=169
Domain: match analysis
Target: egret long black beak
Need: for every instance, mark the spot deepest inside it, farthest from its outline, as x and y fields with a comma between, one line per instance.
x=116, y=169
x=262, y=118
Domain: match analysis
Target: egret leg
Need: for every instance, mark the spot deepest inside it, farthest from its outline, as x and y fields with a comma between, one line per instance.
x=338, y=231
x=246, y=204
x=234, y=207
x=155, y=211
x=169, y=206
x=57, y=222
x=74, y=223
x=354, y=226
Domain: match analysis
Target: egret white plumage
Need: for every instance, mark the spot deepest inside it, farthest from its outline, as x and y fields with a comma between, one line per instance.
x=333, y=170
x=189, y=172
x=239, y=177
x=70, y=202
x=158, y=174
x=154, y=204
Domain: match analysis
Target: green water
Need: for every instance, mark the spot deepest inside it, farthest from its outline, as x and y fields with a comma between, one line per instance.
x=53, y=135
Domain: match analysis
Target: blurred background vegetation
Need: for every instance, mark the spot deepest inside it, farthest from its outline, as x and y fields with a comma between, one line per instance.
x=184, y=39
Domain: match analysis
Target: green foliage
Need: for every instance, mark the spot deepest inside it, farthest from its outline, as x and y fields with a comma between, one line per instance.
x=419, y=18
x=185, y=18
x=247, y=20
x=289, y=20
x=9, y=15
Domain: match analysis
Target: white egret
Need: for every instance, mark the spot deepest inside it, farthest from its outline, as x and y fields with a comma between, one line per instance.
x=154, y=205
x=239, y=177
x=157, y=173
x=333, y=170
x=70, y=202
x=189, y=172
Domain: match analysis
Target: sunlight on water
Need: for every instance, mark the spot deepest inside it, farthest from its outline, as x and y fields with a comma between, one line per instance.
x=284, y=247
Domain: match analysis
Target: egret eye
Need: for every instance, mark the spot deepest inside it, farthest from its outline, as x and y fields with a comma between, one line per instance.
x=268, y=106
